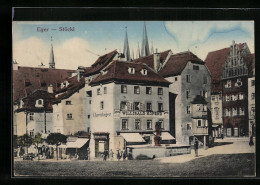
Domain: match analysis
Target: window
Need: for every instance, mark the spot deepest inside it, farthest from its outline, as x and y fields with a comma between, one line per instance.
x=227, y=97
x=144, y=72
x=204, y=79
x=188, y=126
x=187, y=94
x=199, y=123
x=160, y=107
x=252, y=96
x=123, y=89
x=137, y=124
x=242, y=111
x=188, y=109
x=136, y=89
x=123, y=105
x=196, y=67
x=69, y=116
x=31, y=133
x=228, y=85
x=98, y=91
x=137, y=106
x=204, y=108
x=176, y=79
x=40, y=102
x=31, y=116
x=149, y=106
x=204, y=94
x=216, y=110
x=124, y=124
x=105, y=90
x=101, y=105
x=149, y=125
x=161, y=124
x=160, y=91
x=241, y=96
x=252, y=113
x=188, y=79
x=252, y=82
x=131, y=70
x=234, y=111
x=68, y=102
x=212, y=98
x=88, y=116
x=228, y=112
x=89, y=101
x=148, y=90
x=205, y=122
x=198, y=108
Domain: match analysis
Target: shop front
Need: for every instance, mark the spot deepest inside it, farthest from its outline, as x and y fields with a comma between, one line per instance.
x=101, y=143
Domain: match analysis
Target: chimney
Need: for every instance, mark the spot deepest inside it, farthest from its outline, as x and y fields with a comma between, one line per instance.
x=80, y=72
x=156, y=60
x=15, y=65
x=50, y=88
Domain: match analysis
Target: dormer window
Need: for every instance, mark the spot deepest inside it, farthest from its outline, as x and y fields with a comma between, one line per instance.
x=39, y=103
x=144, y=71
x=131, y=70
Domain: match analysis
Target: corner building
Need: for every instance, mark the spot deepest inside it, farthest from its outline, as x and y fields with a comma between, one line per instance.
x=128, y=99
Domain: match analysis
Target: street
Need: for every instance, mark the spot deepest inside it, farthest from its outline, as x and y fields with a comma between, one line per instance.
x=230, y=158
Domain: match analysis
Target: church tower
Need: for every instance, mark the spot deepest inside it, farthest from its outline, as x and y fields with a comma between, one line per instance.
x=52, y=62
x=145, y=45
x=126, y=50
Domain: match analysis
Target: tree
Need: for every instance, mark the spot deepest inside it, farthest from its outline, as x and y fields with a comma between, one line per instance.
x=36, y=140
x=56, y=139
x=24, y=141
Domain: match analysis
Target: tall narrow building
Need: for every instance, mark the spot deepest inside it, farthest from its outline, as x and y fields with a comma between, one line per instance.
x=145, y=44
x=126, y=50
x=52, y=62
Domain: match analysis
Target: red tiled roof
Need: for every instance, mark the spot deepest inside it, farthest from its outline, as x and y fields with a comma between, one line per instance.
x=177, y=62
x=100, y=63
x=28, y=79
x=30, y=101
x=215, y=62
x=149, y=59
x=118, y=71
x=74, y=86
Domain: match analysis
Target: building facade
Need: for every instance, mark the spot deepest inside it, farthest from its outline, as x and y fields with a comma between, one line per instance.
x=251, y=101
x=127, y=101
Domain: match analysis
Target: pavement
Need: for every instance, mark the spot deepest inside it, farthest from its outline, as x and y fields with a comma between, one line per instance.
x=225, y=146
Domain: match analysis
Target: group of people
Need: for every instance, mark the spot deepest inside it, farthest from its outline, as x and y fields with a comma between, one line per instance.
x=121, y=154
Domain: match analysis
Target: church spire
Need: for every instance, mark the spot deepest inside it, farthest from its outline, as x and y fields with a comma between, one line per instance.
x=145, y=44
x=52, y=62
x=152, y=52
x=126, y=50
x=133, y=55
x=138, y=55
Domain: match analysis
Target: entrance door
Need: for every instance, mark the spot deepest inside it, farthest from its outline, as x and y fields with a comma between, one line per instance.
x=229, y=132
x=96, y=148
x=236, y=132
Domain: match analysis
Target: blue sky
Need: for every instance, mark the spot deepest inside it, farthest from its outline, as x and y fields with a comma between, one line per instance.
x=93, y=38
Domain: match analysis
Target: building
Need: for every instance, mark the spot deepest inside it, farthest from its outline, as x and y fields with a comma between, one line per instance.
x=251, y=100
x=127, y=100
x=237, y=69
x=189, y=77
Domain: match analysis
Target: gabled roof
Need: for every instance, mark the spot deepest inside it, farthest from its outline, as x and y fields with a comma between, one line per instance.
x=215, y=62
x=100, y=63
x=118, y=71
x=149, y=60
x=28, y=79
x=30, y=101
x=74, y=86
x=177, y=62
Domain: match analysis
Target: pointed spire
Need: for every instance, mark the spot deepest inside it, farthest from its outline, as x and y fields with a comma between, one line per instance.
x=133, y=56
x=138, y=55
x=145, y=44
x=152, y=52
x=52, y=62
x=126, y=50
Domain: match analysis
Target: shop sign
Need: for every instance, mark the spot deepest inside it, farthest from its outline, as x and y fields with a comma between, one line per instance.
x=101, y=114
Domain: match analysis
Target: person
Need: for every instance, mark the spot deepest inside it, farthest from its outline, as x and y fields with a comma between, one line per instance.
x=111, y=154
x=118, y=155
x=196, y=146
x=88, y=154
x=124, y=154
x=222, y=135
x=105, y=155
x=251, y=142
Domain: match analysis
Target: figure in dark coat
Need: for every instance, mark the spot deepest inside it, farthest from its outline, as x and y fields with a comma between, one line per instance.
x=251, y=142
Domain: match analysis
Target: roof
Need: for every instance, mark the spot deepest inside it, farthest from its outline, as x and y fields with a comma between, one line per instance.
x=118, y=71
x=177, y=62
x=74, y=86
x=28, y=79
x=165, y=136
x=149, y=60
x=30, y=101
x=132, y=137
x=199, y=100
x=215, y=62
x=100, y=63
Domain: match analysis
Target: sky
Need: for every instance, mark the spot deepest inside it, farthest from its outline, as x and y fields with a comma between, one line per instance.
x=90, y=39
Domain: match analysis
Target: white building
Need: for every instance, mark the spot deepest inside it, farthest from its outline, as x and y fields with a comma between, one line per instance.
x=127, y=101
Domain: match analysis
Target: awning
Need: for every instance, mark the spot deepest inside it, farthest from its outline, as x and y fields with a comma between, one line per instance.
x=80, y=142
x=132, y=137
x=166, y=136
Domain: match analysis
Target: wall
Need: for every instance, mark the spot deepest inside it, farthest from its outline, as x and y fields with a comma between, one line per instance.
x=37, y=125
x=251, y=104
x=58, y=118
x=19, y=123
